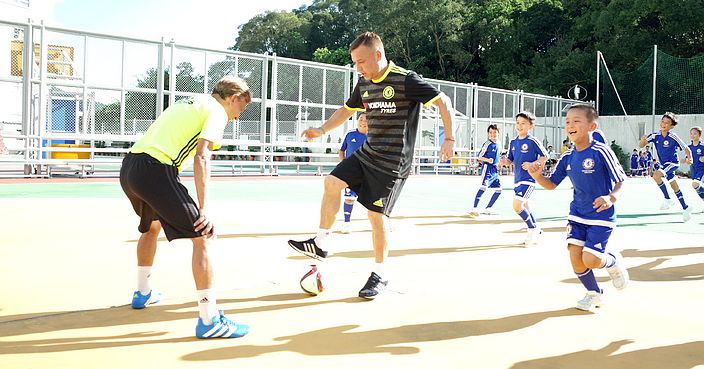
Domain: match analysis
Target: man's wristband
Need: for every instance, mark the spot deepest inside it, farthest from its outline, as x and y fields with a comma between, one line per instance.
x=449, y=139
x=322, y=129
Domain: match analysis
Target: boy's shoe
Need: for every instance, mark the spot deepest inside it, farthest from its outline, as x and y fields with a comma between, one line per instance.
x=221, y=327
x=308, y=248
x=618, y=273
x=140, y=301
x=345, y=228
x=490, y=211
x=533, y=236
x=591, y=300
x=373, y=287
x=687, y=214
x=667, y=204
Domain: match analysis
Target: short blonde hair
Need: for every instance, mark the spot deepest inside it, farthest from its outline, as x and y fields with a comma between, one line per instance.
x=369, y=39
x=231, y=85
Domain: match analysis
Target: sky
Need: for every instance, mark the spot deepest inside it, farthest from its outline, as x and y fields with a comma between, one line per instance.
x=204, y=23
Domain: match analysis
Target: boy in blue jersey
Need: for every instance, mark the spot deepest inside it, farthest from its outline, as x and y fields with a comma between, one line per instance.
x=489, y=157
x=524, y=150
x=598, y=136
x=634, y=162
x=642, y=164
x=596, y=176
x=648, y=162
x=666, y=144
x=697, y=168
x=353, y=141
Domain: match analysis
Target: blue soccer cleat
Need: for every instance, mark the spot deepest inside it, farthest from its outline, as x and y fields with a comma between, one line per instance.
x=221, y=327
x=140, y=301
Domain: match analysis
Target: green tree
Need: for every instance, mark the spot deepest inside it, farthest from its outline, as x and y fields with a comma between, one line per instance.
x=339, y=56
x=542, y=46
x=141, y=106
x=280, y=32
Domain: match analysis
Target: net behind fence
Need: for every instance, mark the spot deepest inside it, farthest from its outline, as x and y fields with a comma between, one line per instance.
x=634, y=87
x=678, y=88
x=680, y=84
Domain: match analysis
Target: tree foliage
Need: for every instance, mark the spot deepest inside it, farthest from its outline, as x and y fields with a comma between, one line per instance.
x=541, y=46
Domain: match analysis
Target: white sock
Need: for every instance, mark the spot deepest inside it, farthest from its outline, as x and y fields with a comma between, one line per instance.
x=321, y=236
x=379, y=270
x=143, y=274
x=207, y=306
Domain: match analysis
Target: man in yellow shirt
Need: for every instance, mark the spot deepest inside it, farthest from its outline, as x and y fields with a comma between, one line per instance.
x=149, y=176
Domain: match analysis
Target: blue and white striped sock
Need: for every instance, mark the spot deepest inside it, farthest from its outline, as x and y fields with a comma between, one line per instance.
x=527, y=217
x=589, y=281
x=664, y=190
x=479, y=196
x=494, y=197
x=610, y=260
x=681, y=198
x=347, y=208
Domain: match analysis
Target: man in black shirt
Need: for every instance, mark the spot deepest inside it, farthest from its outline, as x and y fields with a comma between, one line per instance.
x=392, y=98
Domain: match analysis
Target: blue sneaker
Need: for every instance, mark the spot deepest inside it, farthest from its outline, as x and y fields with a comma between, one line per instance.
x=221, y=327
x=140, y=301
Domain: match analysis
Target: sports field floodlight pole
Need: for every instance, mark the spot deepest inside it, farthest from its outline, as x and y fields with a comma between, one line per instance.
x=655, y=72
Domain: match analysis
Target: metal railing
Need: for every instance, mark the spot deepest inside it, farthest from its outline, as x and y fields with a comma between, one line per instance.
x=75, y=101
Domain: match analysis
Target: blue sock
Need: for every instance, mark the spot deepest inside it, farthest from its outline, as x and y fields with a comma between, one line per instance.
x=681, y=198
x=532, y=219
x=479, y=196
x=610, y=260
x=664, y=190
x=588, y=280
x=527, y=217
x=494, y=197
x=348, y=211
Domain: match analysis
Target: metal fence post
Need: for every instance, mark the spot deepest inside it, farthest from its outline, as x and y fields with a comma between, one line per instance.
x=655, y=79
x=160, y=80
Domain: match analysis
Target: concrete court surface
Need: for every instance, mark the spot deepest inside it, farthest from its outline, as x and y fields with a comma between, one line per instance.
x=463, y=294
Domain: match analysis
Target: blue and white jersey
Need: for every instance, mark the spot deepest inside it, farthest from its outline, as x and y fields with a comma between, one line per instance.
x=697, y=152
x=594, y=172
x=634, y=160
x=522, y=150
x=354, y=139
x=666, y=147
x=649, y=156
x=490, y=151
x=598, y=135
x=642, y=162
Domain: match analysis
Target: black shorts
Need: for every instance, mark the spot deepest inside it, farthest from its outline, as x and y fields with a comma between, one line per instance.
x=156, y=193
x=376, y=191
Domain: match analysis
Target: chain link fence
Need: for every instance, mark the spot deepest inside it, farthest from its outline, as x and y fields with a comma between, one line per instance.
x=100, y=93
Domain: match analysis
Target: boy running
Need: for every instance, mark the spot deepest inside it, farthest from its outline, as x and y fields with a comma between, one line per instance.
x=666, y=145
x=524, y=150
x=596, y=176
x=489, y=157
x=697, y=168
